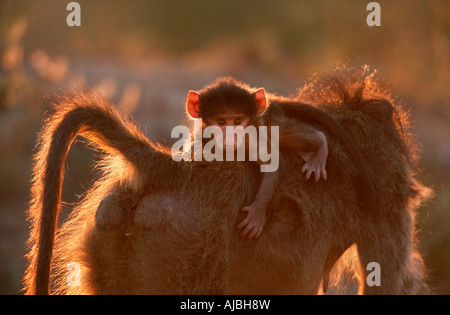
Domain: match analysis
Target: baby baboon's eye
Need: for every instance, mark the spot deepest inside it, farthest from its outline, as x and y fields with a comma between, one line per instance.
x=221, y=122
x=238, y=122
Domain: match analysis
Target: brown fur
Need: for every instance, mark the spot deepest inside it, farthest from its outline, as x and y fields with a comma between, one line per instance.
x=182, y=239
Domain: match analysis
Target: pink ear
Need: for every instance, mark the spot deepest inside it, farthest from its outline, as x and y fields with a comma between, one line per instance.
x=261, y=102
x=193, y=104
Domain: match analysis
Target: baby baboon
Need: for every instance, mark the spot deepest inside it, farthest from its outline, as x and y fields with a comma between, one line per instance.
x=181, y=237
x=230, y=103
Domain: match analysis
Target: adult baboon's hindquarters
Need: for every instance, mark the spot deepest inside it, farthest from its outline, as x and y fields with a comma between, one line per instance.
x=181, y=237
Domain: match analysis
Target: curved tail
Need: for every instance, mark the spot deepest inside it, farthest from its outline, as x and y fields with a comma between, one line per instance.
x=94, y=118
x=363, y=183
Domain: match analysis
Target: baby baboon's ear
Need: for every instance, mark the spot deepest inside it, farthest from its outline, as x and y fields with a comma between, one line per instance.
x=193, y=104
x=261, y=101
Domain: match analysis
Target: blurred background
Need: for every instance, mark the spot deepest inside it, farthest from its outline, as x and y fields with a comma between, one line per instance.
x=146, y=55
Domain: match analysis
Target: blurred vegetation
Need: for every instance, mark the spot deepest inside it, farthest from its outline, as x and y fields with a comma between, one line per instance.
x=145, y=55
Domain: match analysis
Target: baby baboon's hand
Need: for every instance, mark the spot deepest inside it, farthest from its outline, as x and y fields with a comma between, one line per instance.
x=254, y=222
x=316, y=161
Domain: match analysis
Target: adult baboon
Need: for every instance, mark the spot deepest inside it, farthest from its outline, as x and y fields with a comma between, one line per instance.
x=181, y=237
